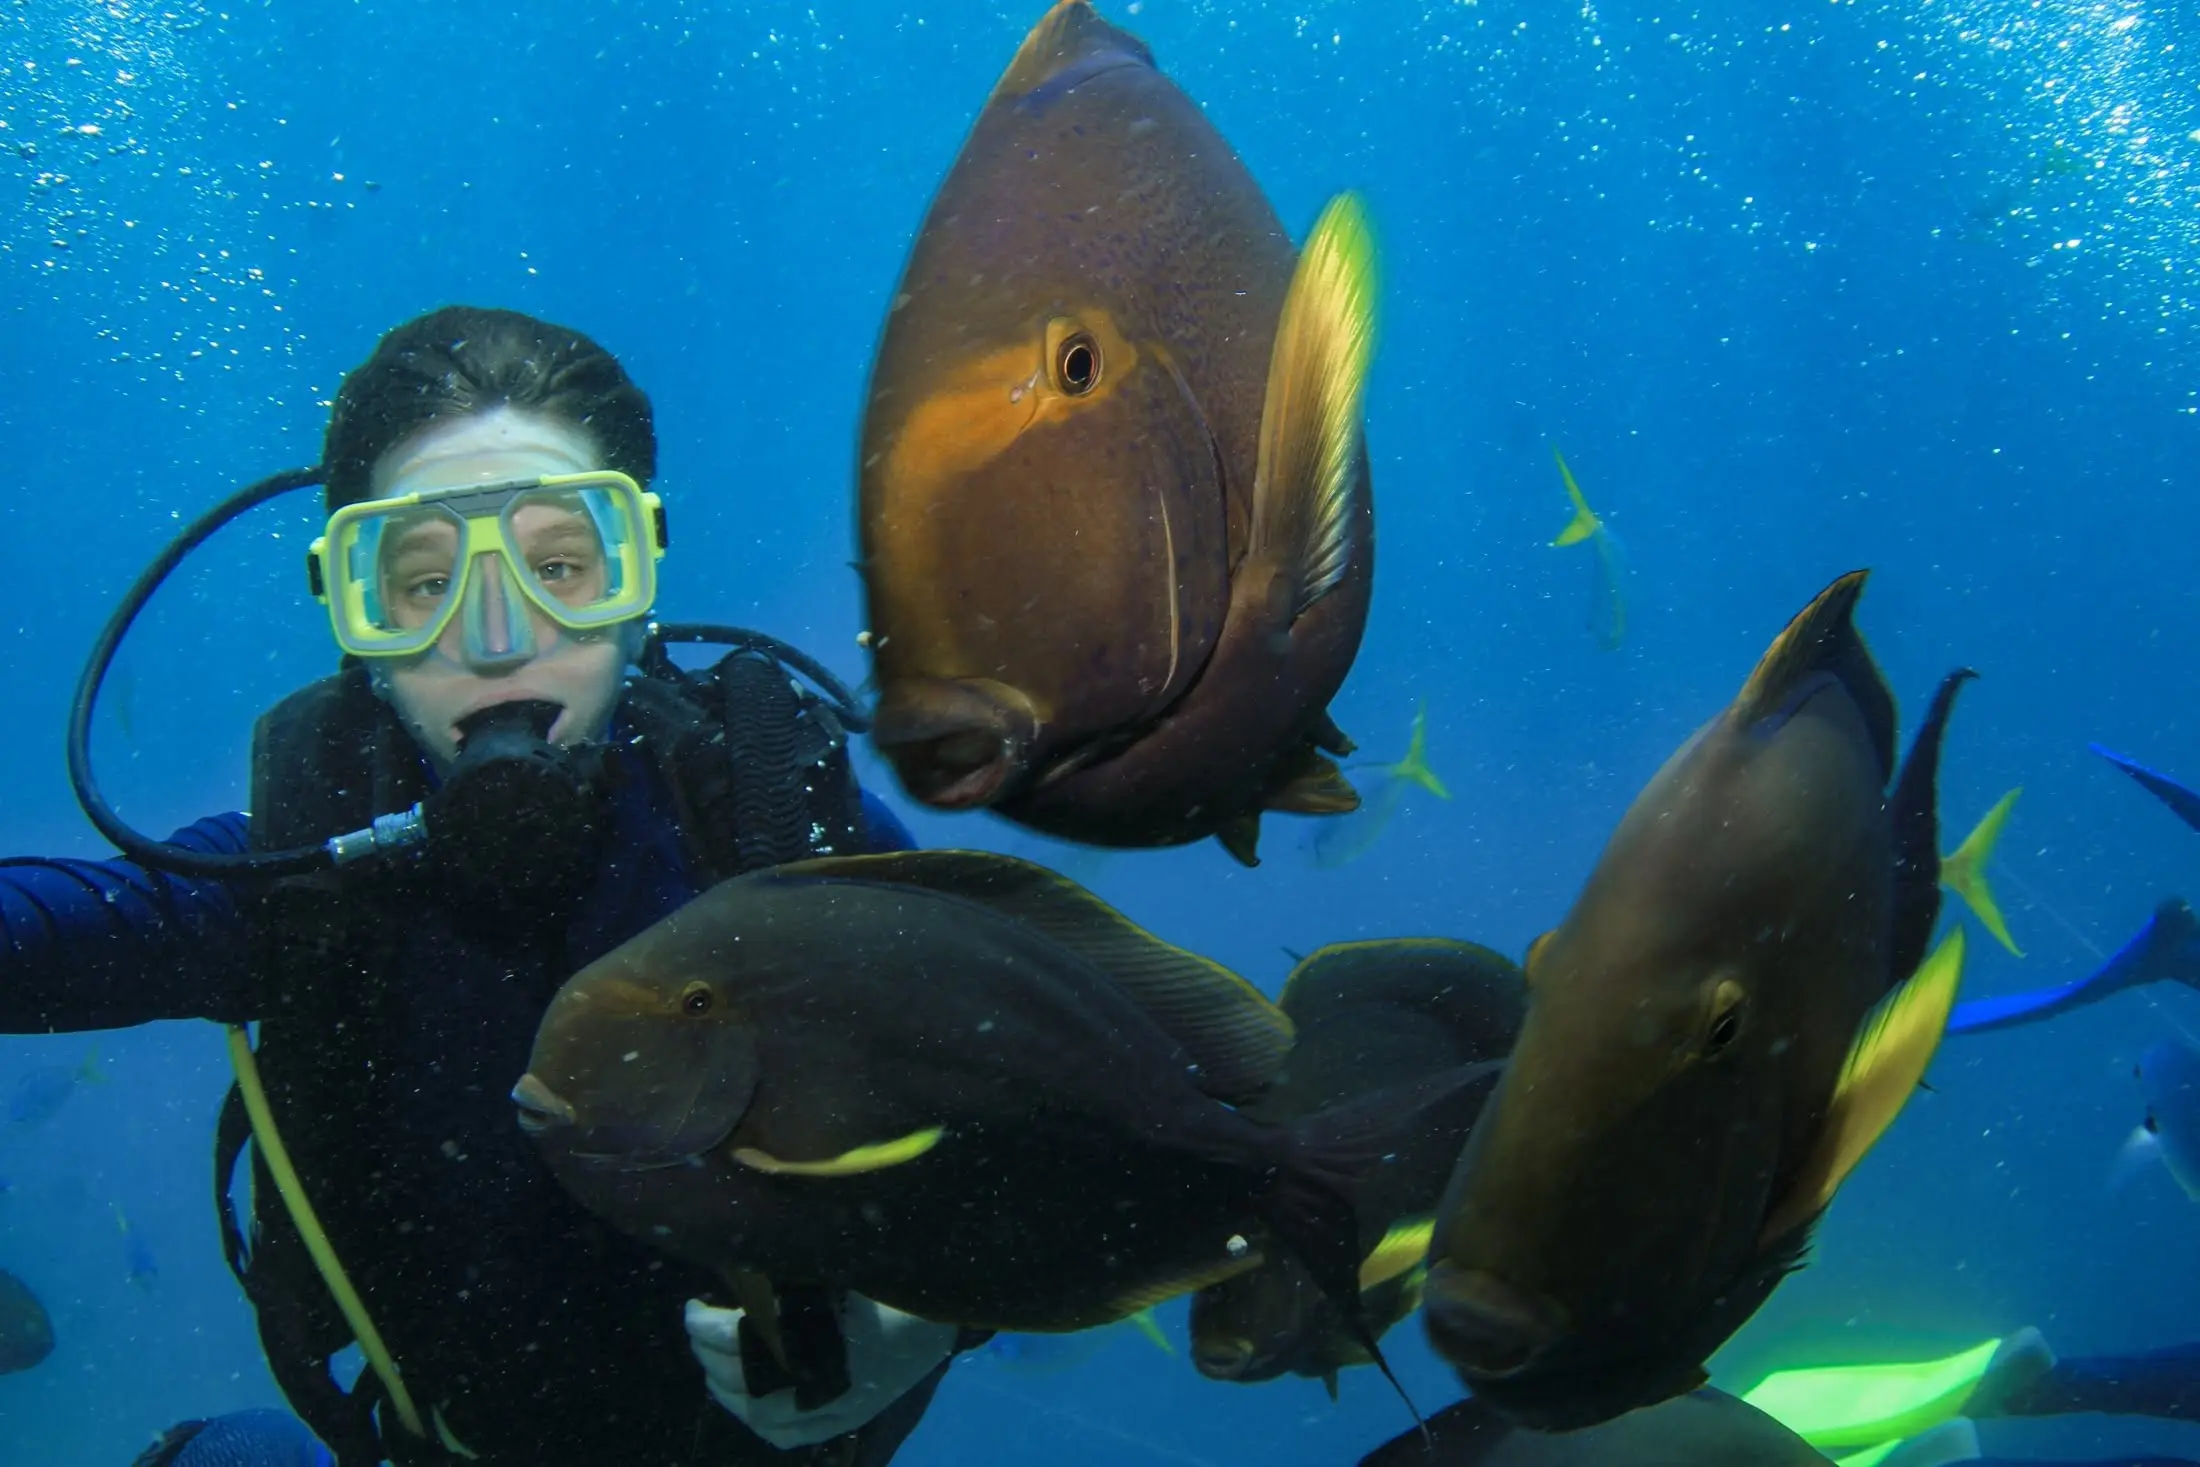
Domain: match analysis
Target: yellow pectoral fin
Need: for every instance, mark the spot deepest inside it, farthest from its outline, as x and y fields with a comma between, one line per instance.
x=1585, y=522
x=1405, y=1245
x=1307, y=478
x=1964, y=871
x=874, y=1158
x=1889, y=1057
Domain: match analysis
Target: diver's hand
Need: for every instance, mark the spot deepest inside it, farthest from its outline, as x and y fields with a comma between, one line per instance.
x=888, y=1352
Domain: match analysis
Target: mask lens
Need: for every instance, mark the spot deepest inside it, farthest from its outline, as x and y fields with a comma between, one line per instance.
x=404, y=567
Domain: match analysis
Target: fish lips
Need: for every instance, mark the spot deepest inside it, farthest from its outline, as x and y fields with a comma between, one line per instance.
x=1567, y=1381
x=957, y=743
x=653, y=1136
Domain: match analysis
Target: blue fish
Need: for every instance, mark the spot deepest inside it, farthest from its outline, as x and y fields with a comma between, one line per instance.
x=240, y=1439
x=138, y=1255
x=38, y=1095
x=2169, y=1081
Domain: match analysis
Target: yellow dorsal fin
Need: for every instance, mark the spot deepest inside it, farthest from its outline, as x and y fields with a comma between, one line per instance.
x=874, y=1158
x=1893, y=1047
x=1964, y=871
x=1585, y=522
x=1309, y=475
x=1403, y=1247
x=1151, y=1329
x=1415, y=764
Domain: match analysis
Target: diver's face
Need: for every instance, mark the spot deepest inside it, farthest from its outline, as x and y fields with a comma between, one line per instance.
x=439, y=688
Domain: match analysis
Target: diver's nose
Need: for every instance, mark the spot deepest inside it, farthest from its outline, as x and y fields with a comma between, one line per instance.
x=540, y=1108
x=1484, y=1325
x=1223, y=1359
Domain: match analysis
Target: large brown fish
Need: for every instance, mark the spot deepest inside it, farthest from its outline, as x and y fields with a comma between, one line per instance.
x=953, y=1082
x=1704, y=1428
x=1369, y=1016
x=1731, y=1014
x=1117, y=532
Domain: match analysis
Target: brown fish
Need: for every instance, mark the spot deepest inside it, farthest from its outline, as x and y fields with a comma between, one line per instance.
x=1117, y=532
x=953, y=1082
x=1704, y=1428
x=1731, y=1014
x=1369, y=1016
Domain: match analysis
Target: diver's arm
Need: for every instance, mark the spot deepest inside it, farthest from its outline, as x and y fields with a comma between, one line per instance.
x=882, y=828
x=2167, y=949
x=104, y=944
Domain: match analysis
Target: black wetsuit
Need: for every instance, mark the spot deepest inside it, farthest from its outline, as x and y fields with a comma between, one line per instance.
x=545, y=1337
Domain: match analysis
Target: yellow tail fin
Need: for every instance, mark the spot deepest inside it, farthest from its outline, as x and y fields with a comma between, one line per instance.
x=1585, y=522
x=1415, y=764
x=1964, y=871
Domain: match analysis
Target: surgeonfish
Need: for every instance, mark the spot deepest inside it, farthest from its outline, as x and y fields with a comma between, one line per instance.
x=1368, y=1015
x=1705, y=1428
x=1117, y=532
x=1737, y=1006
x=2169, y=1082
x=953, y=1082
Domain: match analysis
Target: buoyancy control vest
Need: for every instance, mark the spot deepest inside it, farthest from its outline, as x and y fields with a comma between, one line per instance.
x=758, y=771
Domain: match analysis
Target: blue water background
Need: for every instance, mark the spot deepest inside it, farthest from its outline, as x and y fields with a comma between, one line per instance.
x=1796, y=287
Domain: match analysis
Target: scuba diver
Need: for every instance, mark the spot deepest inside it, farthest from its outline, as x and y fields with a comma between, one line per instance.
x=508, y=777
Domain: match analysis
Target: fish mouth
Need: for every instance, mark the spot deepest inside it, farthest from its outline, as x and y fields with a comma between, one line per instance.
x=541, y=1109
x=1488, y=1328
x=957, y=744
x=1231, y=1359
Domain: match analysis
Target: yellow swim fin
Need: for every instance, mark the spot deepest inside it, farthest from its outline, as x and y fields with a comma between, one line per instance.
x=1839, y=1408
x=1964, y=870
x=874, y=1158
x=1585, y=522
x=1415, y=765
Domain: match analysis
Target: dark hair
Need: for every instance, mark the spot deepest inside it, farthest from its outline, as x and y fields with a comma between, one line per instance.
x=463, y=360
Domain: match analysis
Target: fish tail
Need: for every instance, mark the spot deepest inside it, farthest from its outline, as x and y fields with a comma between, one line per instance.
x=1415, y=766
x=88, y=1071
x=1585, y=522
x=1964, y=871
x=1308, y=1202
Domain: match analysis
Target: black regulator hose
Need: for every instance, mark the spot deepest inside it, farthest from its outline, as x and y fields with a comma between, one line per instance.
x=132, y=842
x=843, y=703
x=389, y=832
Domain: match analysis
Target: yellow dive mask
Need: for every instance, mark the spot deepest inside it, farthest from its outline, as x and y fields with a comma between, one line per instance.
x=580, y=548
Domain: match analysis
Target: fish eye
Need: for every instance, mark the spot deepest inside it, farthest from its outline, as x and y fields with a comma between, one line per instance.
x=1727, y=1003
x=1077, y=364
x=696, y=1000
